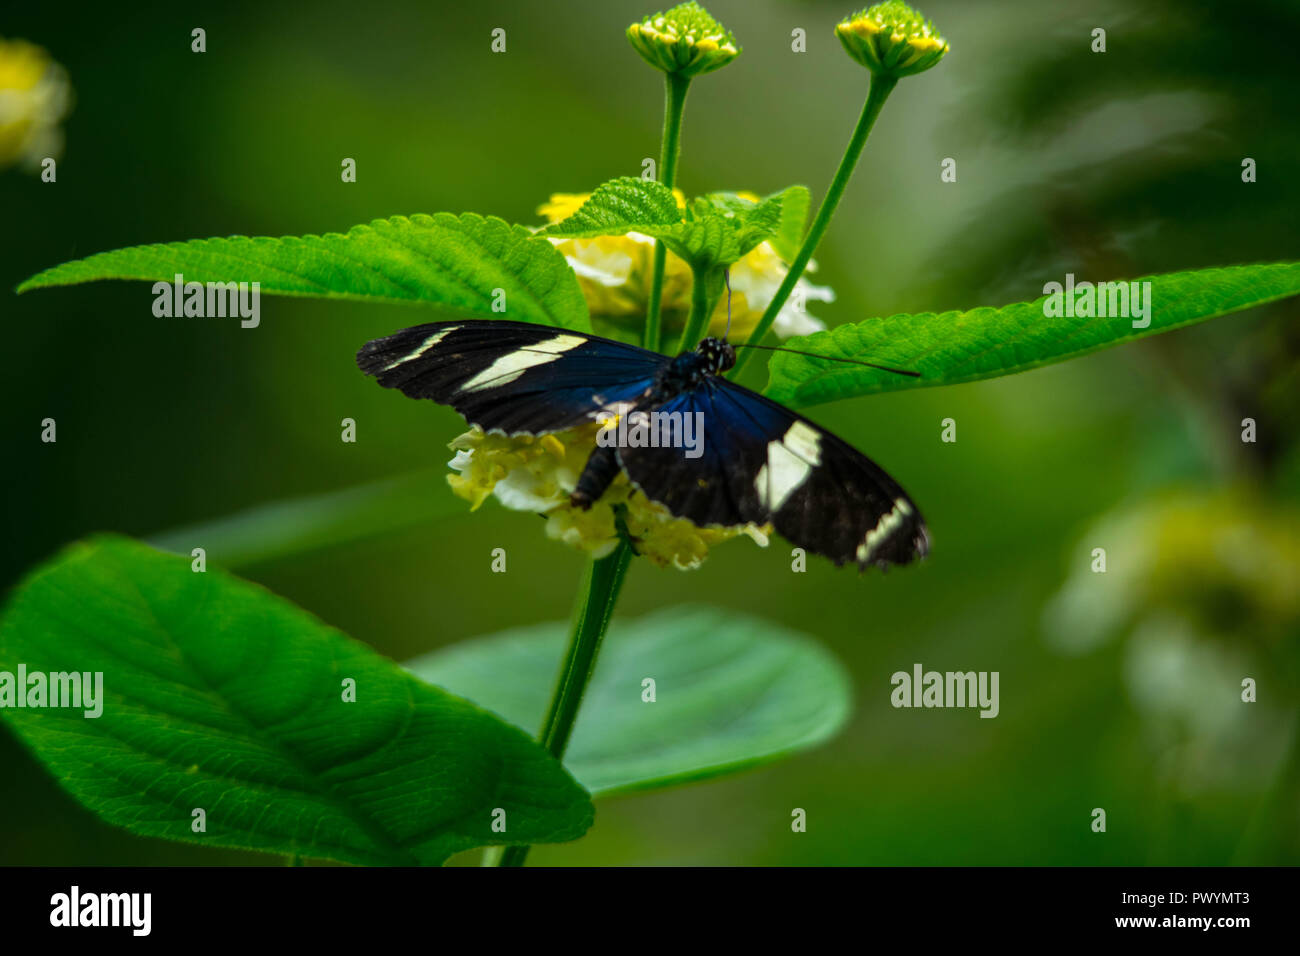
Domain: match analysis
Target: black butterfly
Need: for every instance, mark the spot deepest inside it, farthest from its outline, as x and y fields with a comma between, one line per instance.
x=758, y=462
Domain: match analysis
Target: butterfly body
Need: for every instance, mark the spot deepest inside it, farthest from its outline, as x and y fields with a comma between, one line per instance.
x=756, y=462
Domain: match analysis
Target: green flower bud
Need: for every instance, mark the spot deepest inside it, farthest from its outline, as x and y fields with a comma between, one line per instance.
x=891, y=39
x=685, y=40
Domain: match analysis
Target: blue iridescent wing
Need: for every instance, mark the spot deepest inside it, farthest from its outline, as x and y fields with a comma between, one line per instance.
x=513, y=377
x=760, y=462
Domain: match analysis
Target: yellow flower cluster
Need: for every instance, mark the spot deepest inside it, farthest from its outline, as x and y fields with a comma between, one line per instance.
x=538, y=474
x=615, y=272
x=34, y=97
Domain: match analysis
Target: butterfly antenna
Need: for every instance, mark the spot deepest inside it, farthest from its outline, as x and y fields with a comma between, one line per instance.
x=831, y=358
x=726, y=277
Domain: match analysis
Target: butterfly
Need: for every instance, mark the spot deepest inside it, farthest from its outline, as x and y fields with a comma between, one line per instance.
x=755, y=461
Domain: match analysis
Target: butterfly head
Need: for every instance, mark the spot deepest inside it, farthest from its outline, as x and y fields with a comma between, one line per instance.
x=718, y=354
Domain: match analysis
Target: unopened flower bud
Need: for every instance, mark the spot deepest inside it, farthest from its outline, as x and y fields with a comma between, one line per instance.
x=685, y=40
x=891, y=39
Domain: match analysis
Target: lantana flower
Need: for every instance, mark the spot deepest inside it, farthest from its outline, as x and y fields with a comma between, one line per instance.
x=34, y=98
x=891, y=39
x=615, y=271
x=538, y=475
x=685, y=40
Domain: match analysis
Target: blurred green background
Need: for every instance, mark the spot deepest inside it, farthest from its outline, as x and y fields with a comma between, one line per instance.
x=1118, y=691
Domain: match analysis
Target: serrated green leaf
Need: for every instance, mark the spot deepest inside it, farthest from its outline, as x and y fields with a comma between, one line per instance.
x=794, y=204
x=954, y=347
x=458, y=262
x=731, y=692
x=219, y=696
x=717, y=235
x=714, y=230
x=623, y=205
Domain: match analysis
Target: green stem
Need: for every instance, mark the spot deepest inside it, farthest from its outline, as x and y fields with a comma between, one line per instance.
x=604, y=580
x=881, y=87
x=701, y=310
x=670, y=147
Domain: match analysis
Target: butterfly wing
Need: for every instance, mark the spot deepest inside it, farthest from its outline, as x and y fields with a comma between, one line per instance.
x=513, y=377
x=761, y=462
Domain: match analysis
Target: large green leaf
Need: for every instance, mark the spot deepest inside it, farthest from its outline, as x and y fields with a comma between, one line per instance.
x=983, y=343
x=454, y=261
x=713, y=231
x=731, y=691
x=220, y=696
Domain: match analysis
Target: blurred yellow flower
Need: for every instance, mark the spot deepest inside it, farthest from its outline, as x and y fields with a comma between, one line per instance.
x=538, y=474
x=34, y=97
x=1203, y=589
x=1227, y=562
x=614, y=273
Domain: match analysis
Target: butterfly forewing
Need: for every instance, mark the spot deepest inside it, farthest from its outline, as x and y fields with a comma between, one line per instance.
x=513, y=377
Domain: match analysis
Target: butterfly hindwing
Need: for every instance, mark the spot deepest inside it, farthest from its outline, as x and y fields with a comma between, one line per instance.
x=699, y=488
x=761, y=462
x=513, y=377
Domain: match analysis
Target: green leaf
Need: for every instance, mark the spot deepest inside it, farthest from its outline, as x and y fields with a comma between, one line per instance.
x=220, y=696
x=296, y=525
x=714, y=231
x=623, y=205
x=794, y=204
x=955, y=347
x=457, y=262
x=717, y=234
x=731, y=692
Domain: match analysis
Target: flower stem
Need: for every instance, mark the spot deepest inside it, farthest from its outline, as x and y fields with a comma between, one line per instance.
x=601, y=586
x=670, y=147
x=701, y=310
x=881, y=87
